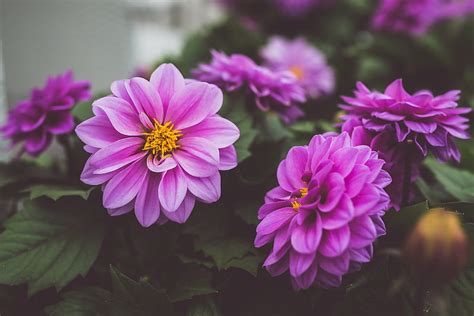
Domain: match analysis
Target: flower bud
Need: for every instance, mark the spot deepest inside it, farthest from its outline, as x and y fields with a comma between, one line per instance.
x=437, y=248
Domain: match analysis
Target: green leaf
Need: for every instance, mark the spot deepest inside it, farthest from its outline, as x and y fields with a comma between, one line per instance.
x=193, y=280
x=50, y=244
x=225, y=249
x=56, y=192
x=400, y=223
x=250, y=263
x=88, y=301
x=457, y=298
x=247, y=211
x=459, y=183
x=272, y=128
x=141, y=297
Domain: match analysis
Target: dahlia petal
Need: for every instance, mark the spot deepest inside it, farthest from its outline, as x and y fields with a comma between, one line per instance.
x=299, y=263
x=121, y=210
x=383, y=179
x=145, y=98
x=340, y=216
x=216, y=129
x=396, y=90
x=121, y=116
x=97, y=131
x=305, y=238
x=160, y=165
x=117, y=155
x=356, y=179
x=344, y=160
x=328, y=280
x=295, y=165
x=388, y=116
x=283, y=178
x=456, y=132
x=362, y=254
x=124, y=186
x=276, y=194
x=421, y=127
x=167, y=80
x=89, y=177
x=262, y=240
x=118, y=89
x=305, y=280
x=182, y=213
x=401, y=131
x=60, y=123
x=269, y=207
x=275, y=220
x=281, y=238
x=147, y=204
x=335, y=185
x=334, y=242
x=227, y=158
x=320, y=154
x=279, y=267
x=37, y=142
x=335, y=266
x=172, y=190
x=366, y=200
x=360, y=136
x=207, y=189
x=193, y=103
x=276, y=256
x=197, y=156
x=363, y=232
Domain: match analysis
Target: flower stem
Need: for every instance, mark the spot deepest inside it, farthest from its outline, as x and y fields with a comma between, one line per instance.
x=65, y=143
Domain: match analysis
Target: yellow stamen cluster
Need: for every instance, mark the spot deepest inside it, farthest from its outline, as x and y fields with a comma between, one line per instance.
x=297, y=71
x=304, y=192
x=295, y=205
x=162, y=140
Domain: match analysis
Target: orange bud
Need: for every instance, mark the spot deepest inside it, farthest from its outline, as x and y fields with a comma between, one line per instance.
x=437, y=248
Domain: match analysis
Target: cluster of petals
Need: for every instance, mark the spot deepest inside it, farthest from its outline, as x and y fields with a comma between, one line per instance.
x=278, y=91
x=403, y=126
x=304, y=60
x=34, y=121
x=417, y=16
x=325, y=214
x=157, y=146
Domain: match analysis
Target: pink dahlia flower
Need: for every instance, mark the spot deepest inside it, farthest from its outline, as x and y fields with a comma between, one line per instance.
x=277, y=91
x=158, y=145
x=326, y=212
x=417, y=16
x=403, y=128
x=302, y=59
x=47, y=112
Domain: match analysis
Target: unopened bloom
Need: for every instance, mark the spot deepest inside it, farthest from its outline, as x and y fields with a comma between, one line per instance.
x=47, y=112
x=325, y=214
x=417, y=16
x=404, y=127
x=277, y=91
x=158, y=145
x=437, y=248
x=302, y=59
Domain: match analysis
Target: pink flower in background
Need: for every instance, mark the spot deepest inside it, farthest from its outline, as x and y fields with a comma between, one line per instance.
x=325, y=214
x=403, y=128
x=417, y=16
x=47, y=112
x=277, y=91
x=302, y=59
x=158, y=145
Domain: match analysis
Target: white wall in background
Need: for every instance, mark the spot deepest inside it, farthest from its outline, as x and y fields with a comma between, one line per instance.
x=101, y=40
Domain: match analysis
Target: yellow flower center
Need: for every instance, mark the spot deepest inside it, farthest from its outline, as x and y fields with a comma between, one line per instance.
x=163, y=139
x=295, y=205
x=297, y=71
x=304, y=192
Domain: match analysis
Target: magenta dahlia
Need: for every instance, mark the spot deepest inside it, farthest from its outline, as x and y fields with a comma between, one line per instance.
x=302, y=59
x=403, y=128
x=47, y=112
x=277, y=91
x=417, y=16
x=325, y=214
x=158, y=145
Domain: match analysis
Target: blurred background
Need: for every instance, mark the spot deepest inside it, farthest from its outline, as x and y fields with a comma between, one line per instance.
x=101, y=40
